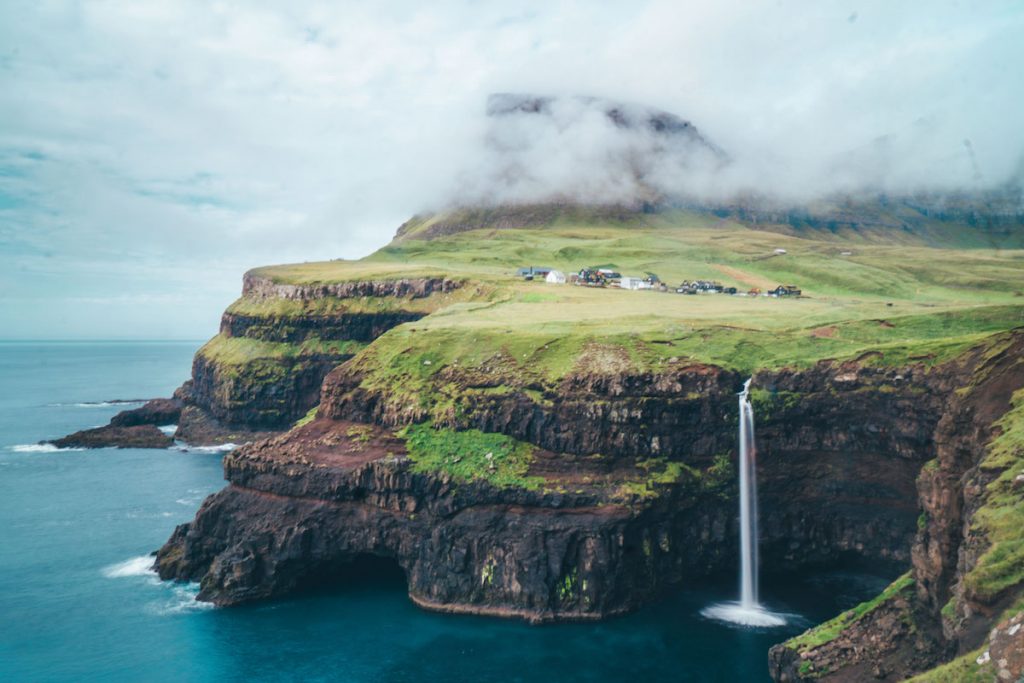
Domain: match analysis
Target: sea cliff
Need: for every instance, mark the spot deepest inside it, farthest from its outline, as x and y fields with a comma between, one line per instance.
x=554, y=452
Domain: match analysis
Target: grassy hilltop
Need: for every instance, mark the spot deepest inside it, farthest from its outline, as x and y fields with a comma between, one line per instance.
x=907, y=301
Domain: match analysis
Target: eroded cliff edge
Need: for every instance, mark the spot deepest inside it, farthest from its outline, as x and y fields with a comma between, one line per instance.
x=626, y=491
x=263, y=370
x=967, y=571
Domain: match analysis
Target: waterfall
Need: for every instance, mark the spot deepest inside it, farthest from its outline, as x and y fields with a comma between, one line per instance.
x=748, y=501
x=748, y=611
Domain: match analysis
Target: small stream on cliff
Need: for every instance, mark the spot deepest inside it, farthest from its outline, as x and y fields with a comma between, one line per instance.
x=78, y=604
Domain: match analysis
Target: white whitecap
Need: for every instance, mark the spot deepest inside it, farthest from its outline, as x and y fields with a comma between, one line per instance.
x=182, y=600
x=169, y=430
x=40, y=448
x=744, y=615
x=221, y=448
x=136, y=566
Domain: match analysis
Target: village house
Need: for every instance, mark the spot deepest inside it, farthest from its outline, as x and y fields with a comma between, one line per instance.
x=634, y=283
x=531, y=272
x=555, y=277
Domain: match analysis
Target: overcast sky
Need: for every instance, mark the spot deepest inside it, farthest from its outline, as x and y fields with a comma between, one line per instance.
x=150, y=153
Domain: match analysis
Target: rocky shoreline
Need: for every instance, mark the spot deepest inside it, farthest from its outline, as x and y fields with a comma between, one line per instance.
x=627, y=491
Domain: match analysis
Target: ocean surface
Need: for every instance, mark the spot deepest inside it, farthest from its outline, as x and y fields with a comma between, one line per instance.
x=77, y=602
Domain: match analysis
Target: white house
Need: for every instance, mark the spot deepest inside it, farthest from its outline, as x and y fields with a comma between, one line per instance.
x=634, y=283
x=555, y=277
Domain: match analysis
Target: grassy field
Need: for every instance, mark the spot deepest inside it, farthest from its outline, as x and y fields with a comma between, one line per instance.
x=909, y=303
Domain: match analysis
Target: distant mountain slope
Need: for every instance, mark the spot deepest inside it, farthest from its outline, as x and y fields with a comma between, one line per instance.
x=548, y=160
x=989, y=222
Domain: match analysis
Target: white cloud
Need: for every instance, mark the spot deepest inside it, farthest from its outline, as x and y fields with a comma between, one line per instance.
x=164, y=148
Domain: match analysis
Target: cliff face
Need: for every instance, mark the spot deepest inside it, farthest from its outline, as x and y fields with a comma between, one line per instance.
x=299, y=507
x=962, y=578
x=603, y=526
x=265, y=368
x=265, y=394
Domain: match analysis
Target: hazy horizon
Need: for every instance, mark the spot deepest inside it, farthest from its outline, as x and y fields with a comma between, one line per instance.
x=152, y=153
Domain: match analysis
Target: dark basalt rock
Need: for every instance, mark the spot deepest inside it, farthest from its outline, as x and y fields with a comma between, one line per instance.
x=362, y=327
x=841, y=448
x=269, y=395
x=159, y=412
x=978, y=391
x=136, y=428
x=199, y=428
x=302, y=505
x=257, y=287
x=137, y=436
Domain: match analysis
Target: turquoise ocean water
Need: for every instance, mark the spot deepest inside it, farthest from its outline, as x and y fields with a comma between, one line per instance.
x=77, y=604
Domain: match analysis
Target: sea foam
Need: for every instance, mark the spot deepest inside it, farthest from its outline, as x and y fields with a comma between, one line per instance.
x=182, y=600
x=40, y=448
x=136, y=566
x=222, y=448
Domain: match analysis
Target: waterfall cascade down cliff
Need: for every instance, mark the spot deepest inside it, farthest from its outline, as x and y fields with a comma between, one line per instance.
x=748, y=611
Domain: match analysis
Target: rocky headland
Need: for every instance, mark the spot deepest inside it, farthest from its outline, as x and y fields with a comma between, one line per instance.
x=551, y=457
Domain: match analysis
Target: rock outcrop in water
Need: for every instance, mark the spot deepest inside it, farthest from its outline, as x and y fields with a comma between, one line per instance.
x=134, y=428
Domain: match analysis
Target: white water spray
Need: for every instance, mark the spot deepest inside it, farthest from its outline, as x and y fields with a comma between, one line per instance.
x=748, y=502
x=748, y=611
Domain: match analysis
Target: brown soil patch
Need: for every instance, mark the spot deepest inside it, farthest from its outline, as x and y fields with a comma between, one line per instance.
x=745, y=277
x=601, y=359
x=337, y=443
x=825, y=332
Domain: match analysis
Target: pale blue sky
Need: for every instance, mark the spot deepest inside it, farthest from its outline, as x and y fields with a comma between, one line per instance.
x=150, y=153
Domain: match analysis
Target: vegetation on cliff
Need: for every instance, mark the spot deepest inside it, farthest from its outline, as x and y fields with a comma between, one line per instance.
x=831, y=629
x=469, y=455
x=234, y=354
x=1001, y=519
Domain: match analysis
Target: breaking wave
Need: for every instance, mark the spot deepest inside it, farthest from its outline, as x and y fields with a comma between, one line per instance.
x=221, y=448
x=41, y=448
x=136, y=566
x=181, y=601
x=178, y=598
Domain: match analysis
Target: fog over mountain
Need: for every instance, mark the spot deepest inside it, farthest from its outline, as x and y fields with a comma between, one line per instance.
x=584, y=149
x=151, y=152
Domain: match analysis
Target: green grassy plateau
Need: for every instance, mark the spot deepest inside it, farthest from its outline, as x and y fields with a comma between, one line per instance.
x=911, y=303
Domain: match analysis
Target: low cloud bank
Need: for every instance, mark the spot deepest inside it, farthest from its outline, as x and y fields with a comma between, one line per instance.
x=594, y=150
